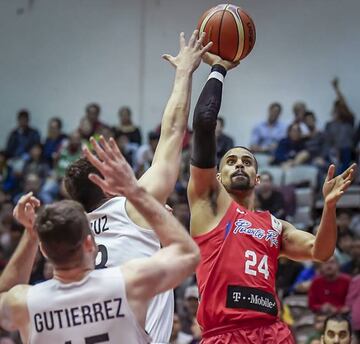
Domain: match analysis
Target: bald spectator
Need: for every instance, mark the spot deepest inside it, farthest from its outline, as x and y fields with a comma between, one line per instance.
x=328, y=291
x=266, y=135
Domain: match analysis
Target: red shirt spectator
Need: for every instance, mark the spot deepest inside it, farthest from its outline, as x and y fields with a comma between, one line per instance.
x=328, y=291
x=353, y=302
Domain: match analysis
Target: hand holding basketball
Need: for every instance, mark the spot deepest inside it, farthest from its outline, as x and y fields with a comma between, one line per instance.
x=190, y=54
x=212, y=59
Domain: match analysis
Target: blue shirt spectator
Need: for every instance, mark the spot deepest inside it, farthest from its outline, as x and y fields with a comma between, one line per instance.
x=55, y=139
x=266, y=135
x=23, y=137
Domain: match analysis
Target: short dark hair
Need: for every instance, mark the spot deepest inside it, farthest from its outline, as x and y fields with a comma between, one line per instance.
x=23, y=114
x=267, y=173
x=309, y=114
x=58, y=121
x=338, y=318
x=94, y=105
x=247, y=149
x=79, y=187
x=275, y=104
x=62, y=227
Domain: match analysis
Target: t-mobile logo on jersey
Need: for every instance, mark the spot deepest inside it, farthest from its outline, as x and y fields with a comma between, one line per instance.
x=251, y=298
x=236, y=296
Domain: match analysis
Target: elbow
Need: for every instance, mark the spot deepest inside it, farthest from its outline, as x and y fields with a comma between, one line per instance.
x=321, y=256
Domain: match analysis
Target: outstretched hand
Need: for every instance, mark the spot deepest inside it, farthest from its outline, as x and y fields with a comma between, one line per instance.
x=189, y=56
x=212, y=59
x=24, y=212
x=334, y=187
x=118, y=176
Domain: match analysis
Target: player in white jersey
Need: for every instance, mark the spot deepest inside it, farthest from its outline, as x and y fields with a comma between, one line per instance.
x=81, y=305
x=119, y=229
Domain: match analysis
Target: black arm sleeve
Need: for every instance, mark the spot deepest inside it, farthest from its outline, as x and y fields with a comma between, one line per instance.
x=203, y=153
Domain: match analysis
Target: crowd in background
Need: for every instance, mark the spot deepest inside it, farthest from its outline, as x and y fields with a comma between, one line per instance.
x=34, y=162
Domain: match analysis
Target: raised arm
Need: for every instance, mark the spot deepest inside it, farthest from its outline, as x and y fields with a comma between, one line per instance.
x=167, y=158
x=179, y=255
x=18, y=270
x=300, y=245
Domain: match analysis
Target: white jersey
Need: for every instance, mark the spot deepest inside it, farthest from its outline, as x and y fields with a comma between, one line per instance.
x=119, y=240
x=93, y=310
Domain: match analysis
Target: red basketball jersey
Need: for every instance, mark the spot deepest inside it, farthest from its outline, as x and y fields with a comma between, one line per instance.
x=236, y=274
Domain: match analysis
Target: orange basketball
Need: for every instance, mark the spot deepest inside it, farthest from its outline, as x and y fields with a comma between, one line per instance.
x=231, y=30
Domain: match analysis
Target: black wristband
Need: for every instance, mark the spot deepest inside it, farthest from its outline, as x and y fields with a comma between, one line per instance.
x=219, y=68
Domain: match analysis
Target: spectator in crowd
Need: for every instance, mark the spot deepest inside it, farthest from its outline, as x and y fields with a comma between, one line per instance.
x=190, y=307
x=266, y=135
x=339, y=131
x=126, y=126
x=343, y=221
x=178, y=336
x=90, y=123
x=337, y=330
x=286, y=275
x=353, y=302
x=299, y=110
x=68, y=154
x=7, y=178
x=357, y=143
x=353, y=266
x=319, y=323
x=54, y=140
x=23, y=137
x=315, y=142
x=343, y=247
x=305, y=277
x=291, y=150
x=328, y=291
x=223, y=141
x=269, y=198
x=127, y=148
x=196, y=332
x=36, y=164
x=145, y=154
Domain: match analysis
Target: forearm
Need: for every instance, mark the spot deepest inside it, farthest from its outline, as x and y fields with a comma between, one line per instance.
x=19, y=268
x=325, y=240
x=205, y=118
x=166, y=226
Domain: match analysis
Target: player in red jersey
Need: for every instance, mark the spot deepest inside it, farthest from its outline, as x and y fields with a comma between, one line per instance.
x=239, y=246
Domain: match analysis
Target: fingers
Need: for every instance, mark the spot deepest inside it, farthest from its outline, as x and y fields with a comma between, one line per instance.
x=105, y=146
x=200, y=41
x=92, y=158
x=182, y=41
x=115, y=149
x=193, y=38
x=169, y=58
x=101, y=183
x=207, y=47
x=330, y=173
x=99, y=150
x=349, y=172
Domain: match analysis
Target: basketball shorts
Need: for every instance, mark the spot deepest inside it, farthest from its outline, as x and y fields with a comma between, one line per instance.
x=276, y=333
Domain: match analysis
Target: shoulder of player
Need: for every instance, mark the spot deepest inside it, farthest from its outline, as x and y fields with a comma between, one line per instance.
x=15, y=303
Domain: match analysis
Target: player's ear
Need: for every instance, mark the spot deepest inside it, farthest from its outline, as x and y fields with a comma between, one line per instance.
x=218, y=176
x=257, y=179
x=42, y=250
x=89, y=243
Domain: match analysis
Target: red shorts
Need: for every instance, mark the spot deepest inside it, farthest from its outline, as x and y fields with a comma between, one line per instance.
x=276, y=333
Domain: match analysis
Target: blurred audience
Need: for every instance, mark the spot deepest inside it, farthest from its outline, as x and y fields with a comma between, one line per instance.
x=223, y=142
x=126, y=126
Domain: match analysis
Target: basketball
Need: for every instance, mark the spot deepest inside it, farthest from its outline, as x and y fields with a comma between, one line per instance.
x=231, y=30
